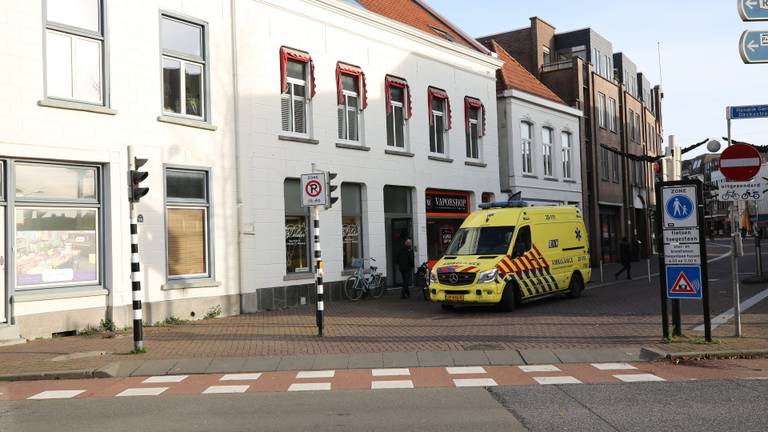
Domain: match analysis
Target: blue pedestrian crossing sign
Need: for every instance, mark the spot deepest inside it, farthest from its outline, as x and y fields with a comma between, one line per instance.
x=684, y=282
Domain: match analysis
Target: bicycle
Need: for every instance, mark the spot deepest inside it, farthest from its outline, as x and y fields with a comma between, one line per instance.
x=361, y=283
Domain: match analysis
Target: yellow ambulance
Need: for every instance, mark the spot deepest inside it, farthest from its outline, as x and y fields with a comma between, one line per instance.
x=507, y=253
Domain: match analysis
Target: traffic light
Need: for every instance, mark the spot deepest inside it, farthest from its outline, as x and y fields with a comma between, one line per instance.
x=136, y=177
x=329, y=188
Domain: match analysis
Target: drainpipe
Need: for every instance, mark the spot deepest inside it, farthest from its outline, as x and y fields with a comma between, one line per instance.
x=238, y=182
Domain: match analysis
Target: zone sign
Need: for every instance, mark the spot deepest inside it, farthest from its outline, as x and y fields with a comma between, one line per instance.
x=313, y=189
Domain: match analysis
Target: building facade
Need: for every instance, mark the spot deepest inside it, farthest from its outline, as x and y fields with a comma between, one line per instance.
x=229, y=104
x=618, y=113
x=539, y=140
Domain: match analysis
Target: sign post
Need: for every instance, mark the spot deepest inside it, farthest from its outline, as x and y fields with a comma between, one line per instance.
x=313, y=195
x=684, y=265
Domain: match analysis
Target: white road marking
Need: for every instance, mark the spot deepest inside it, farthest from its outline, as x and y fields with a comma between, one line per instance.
x=226, y=389
x=728, y=315
x=390, y=372
x=474, y=382
x=165, y=379
x=465, y=370
x=309, y=387
x=613, y=366
x=315, y=374
x=241, y=377
x=639, y=377
x=539, y=368
x=556, y=380
x=56, y=394
x=150, y=391
x=404, y=384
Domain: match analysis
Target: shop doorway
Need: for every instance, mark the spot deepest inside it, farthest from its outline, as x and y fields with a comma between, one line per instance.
x=3, y=286
x=399, y=231
x=446, y=211
x=609, y=239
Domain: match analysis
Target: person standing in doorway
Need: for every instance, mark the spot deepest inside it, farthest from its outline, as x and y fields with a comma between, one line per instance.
x=406, y=264
x=625, y=257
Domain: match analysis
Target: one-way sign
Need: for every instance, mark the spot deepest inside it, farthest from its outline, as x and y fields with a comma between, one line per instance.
x=753, y=46
x=753, y=10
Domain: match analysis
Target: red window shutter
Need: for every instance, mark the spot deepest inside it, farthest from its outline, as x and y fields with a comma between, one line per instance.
x=393, y=81
x=347, y=69
x=287, y=53
x=436, y=93
x=469, y=103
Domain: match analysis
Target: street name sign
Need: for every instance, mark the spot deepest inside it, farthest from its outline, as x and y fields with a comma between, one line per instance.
x=313, y=189
x=753, y=46
x=684, y=282
x=753, y=10
x=740, y=162
x=747, y=112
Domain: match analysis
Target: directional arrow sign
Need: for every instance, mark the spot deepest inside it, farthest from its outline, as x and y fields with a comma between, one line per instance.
x=753, y=10
x=754, y=46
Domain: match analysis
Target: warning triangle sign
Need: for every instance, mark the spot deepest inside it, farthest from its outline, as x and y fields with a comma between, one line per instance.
x=682, y=285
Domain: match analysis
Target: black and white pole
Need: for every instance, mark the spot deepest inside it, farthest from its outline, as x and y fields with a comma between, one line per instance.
x=318, y=268
x=138, y=336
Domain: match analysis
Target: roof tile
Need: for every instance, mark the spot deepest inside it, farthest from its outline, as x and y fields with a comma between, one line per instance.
x=514, y=76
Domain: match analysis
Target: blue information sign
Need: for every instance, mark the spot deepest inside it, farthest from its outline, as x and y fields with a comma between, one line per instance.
x=684, y=282
x=747, y=112
x=754, y=46
x=753, y=10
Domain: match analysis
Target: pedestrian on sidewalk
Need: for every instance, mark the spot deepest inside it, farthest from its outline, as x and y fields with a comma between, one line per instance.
x=405, y=263
x=625, y=257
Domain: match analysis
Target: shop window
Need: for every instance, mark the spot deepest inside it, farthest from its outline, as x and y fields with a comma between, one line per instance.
x=74, y=47
x=297, y=248
x=57, y=228
x=297, y=83
x=445, y=211
x=352, y=100
x=439, y=120
x=399, y=111
x=351, y=222
x=526, y=146
x=187, y=230
x=184, y=59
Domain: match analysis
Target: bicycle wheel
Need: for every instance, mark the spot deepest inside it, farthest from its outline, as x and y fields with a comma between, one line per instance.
x=353, y=289
x=377, y=290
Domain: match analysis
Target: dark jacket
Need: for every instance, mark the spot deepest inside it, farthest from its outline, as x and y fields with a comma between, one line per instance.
x=625, y=252
x=405, y=259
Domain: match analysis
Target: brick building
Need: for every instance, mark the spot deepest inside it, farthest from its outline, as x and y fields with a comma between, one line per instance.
x=620, y=110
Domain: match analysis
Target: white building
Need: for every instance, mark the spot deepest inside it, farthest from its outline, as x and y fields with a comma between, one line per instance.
x=539, y=148
x=195, y=86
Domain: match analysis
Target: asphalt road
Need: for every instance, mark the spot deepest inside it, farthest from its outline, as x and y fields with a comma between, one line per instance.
x=683, y=406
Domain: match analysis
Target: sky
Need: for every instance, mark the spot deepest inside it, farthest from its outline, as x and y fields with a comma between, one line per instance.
x=701, y=69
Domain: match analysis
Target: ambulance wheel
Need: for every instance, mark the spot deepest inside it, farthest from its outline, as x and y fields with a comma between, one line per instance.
x=509, y=298
x=576, y=286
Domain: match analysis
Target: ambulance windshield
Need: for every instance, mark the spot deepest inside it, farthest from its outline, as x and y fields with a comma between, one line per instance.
x=481, y=241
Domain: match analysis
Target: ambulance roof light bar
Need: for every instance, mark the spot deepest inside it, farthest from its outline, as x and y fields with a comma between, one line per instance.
x=504, y=204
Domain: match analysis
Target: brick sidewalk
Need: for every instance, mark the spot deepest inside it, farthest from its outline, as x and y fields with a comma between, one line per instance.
x=603, y=318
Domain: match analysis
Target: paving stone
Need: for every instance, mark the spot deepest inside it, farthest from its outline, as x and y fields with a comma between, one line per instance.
x=435, y=358
x=330, y=362
x=469, y=358
x=400, y=359
x=226, y=365
x=119, y=369
x=504, y=357
x=154, y=367
x=300, y=362
x=539, y=356
x=190, y=366
x=366, y=361
x=261, y=364
x=575, y=356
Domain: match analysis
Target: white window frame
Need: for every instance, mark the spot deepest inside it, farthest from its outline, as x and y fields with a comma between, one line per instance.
x=477, y=123
x=347, y=108
x=402, y=106
x=184, y=59
x=290, y=94
x=526, y=148
x=76, y=33
x=433, y=127
x=567, y=154
x=547, y=151
x=190, y=204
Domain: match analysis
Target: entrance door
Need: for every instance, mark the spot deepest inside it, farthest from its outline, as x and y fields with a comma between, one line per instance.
x=3, y=289
x=400, y=230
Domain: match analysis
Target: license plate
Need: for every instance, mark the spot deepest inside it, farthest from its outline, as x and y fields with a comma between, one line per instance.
x=454, y=297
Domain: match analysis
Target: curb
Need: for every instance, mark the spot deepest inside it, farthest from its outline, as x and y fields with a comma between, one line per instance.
x=712, y=355
x=58, y=375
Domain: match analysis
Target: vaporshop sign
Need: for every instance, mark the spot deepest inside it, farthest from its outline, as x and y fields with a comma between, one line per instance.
x=447, y=202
